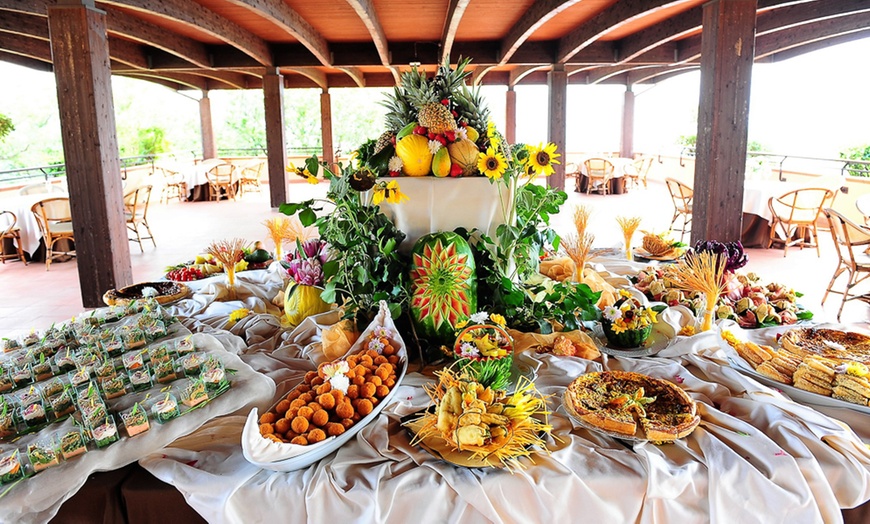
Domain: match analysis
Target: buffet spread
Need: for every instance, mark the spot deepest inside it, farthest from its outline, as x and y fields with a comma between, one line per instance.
x=492, y=372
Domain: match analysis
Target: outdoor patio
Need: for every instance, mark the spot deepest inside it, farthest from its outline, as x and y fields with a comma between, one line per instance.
x=183, y=229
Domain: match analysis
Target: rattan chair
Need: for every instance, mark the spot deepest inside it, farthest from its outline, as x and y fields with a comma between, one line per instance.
x=638, y=171
x=222, y=181
x=681, y=196
x=863, y=205
x=249, y=175
x=599, y=171
x=852, y=243
x=11, y=232
x=174, y=185
x=794, y=217
x=136, y=214
x=55, y=224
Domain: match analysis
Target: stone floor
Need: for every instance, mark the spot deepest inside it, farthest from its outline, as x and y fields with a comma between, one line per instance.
x=35, y=298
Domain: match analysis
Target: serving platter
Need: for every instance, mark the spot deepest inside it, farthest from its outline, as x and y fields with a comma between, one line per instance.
x=640, y=252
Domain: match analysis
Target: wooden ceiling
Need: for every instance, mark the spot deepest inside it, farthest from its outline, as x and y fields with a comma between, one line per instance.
x=229, y=44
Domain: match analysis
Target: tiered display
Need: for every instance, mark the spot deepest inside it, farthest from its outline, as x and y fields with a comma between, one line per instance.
x=111, y=372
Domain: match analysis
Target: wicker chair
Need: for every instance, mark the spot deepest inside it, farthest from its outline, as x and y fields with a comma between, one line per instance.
x=852, y=243
x=249, y=175
x=136, y=213
x=11, y=232
x=55, y=224
x=638, y=171
x=222, y=181
x=174, y=185
x=863, y=205
x=681, y=196
x=599, y=171
x=794, y=217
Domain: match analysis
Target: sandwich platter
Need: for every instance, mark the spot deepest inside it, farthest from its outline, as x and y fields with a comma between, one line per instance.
x=796, y=394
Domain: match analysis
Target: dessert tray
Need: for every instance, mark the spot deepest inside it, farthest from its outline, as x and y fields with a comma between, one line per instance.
x=165, y=292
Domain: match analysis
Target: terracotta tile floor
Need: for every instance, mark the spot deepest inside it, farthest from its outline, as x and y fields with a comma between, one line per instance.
x=35, y=298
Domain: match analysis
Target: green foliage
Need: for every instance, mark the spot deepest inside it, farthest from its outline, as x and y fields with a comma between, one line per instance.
x=857, y=153
x=368, y=267
x=152, y=141
x=687, y=140
x=6, y=126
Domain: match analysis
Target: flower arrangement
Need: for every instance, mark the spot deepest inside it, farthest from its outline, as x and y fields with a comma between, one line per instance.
x=628, y=323
x=305, y=263
x=484, y=349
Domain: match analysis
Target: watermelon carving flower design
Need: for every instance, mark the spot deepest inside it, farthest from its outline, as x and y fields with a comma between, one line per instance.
x=442, y=275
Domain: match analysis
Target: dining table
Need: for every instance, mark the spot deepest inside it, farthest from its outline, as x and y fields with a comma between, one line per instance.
x=195, y=176
x=31, y=236
x=621, y=167
x=757, y=217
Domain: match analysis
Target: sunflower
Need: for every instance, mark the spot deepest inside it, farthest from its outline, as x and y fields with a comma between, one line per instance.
x=304, y=173
x=389, y=191
x=542, y=158
x=492, y=164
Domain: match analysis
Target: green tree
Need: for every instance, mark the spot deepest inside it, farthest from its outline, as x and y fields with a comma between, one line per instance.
x=6, y=126
x=152, y=141
x=857, y=153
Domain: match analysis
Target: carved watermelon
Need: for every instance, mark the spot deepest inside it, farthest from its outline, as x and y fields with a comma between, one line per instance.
x=443, y=285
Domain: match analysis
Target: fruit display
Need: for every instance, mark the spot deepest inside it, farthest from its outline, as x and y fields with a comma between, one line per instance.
x=443, y=285
x=332, y=399
x=482, y=425
x=484, y=350
x=434, y=126
x=205, y=265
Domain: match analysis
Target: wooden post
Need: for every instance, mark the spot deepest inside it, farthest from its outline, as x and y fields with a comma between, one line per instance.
x=727, y=52
x=557, y=81
x=626, y=145
x=273, y=98
x=209, y=142
x=510, y=132
x=80, y=53
x=326, y=127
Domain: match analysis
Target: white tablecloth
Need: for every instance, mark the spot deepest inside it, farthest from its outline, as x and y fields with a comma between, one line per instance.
x=20, y=205
x=194, y=174
x=756, y=193
x=755, y=453
x=621, y=166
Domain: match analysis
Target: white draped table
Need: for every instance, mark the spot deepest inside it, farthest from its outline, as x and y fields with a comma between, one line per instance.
x=756, y=456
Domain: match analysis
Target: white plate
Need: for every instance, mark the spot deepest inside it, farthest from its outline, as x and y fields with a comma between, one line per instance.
x=640, y=252
x=796, y=394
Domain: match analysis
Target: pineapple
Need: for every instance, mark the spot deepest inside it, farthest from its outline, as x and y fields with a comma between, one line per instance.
x=436, y=117
x=400, y=112
x=472, y=109
x=384, y=140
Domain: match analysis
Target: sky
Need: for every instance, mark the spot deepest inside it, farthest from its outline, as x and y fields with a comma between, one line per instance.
x=811, y=105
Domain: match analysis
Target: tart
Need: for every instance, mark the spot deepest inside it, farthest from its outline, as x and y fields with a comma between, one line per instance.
x=167, y=292
x=827, y=343
x=632, y=405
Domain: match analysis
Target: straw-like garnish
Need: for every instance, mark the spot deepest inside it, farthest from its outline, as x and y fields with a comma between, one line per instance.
x=279, y=229
x=227, y=253
x=578, y=249
x=581, y=219
x=699, y=272
x=628, y=225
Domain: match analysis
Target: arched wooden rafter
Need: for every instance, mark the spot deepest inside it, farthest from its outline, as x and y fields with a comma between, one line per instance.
x=451, y=24
x=366, y=12
x=537, y=15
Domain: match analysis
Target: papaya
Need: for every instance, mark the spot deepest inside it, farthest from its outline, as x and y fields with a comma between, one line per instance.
x=441, y=163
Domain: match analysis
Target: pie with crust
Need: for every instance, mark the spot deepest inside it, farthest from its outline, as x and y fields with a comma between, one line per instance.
x=166, y=292
x=633, y=405
x=827, y=343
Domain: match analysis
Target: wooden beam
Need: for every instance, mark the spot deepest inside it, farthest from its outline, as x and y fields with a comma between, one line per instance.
x=658, y=73
x=23, y=61
x=478, y=73
x=813, y=46
x=535, y=16
x=129, y=53
x=282, y=15
x=24, y=24
x=791, y=16
x=315, y=75
x=273, y=100
x=601, y=74
x=723, y=119
x=33, y=7
x=455, y=10
x=84, y=91
x=510, y=131
x=617, y=15
x=803, y=34
x=206, y=128
x=173, y=80
x=33, y=48
x=326, y=128
x=557, y=80
x=520, y=72
x=122, y=24
x=228, y=78
x=672, y=29
x=169, y=84
x=203, y=19
x=366, y=12
x=356, y=74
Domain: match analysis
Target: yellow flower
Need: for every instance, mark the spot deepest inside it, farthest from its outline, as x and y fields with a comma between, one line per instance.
x=239, y=314
x=393, y=194
x=617, y=327
x=542, y=158
x=311, y=178
x=291, y=168
x=689, y=330
x=492, y=164
x=461, y=324
x=624, y=293
x=498, y=319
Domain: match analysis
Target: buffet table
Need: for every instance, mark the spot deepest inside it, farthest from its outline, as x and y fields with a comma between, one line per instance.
x=755, y=449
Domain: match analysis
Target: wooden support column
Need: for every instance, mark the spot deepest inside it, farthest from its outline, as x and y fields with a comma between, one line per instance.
x=273, y=98
x=510, y=116
x=326, y=127
x=626, y=144
x=727, y=52
x=80, y=53
x=557, y=80
x=209, y=142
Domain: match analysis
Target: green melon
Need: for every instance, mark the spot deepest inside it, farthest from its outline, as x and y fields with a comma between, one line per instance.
x=443, y=286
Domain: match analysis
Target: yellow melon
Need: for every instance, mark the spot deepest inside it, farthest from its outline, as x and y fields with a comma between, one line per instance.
x=415, y=155
x=464, y=153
